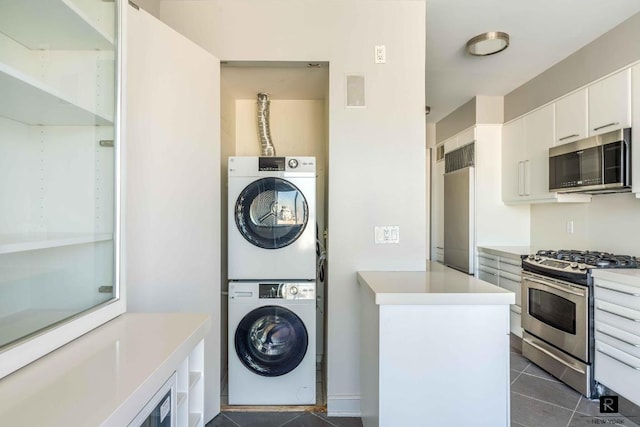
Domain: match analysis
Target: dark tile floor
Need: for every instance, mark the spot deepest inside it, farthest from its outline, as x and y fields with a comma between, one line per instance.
x=277, y=419
x=537, y=400
x=540, y=400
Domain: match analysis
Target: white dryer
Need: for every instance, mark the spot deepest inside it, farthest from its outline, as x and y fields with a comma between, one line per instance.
x=272, y=343
x=272, y=216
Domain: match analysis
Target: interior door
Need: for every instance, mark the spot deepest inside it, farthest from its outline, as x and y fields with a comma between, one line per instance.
x=173, y=180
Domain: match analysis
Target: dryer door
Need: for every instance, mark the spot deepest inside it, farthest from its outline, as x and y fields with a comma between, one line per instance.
x=271, y=341
x=271, y=213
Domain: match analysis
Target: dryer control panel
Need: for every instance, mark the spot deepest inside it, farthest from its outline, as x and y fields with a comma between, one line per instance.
x=287, y=291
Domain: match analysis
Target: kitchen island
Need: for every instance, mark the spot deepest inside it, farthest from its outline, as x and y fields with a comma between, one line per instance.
x=434, y=349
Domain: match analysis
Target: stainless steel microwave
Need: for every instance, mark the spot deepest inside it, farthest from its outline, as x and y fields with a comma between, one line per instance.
x=598, y=164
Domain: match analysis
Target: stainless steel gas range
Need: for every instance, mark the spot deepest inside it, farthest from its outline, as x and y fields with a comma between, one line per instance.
x=557, y=312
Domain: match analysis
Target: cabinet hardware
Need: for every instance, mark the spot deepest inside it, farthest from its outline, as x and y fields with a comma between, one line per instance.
x=619, y=315
x=133, y=5
x=553, y=356
x=105, y=289
x=618, y=290
x=106, y=143
x=637, y=368
x=606, y=126
x=488, y=272
x=615, y=337
x=487, y=257
x=569, y=136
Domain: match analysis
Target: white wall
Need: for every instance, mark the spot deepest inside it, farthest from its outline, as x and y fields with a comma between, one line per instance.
x=610, y=223
x=376, y=154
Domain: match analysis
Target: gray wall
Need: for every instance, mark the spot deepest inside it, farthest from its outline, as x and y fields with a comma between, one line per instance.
x=460, y=119
x=610, y=52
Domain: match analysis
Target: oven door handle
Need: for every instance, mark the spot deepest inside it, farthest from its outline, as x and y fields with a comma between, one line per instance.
x=551, y=285
x=553, y=356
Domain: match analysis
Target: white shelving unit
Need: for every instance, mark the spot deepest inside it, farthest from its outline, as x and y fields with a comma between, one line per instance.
x=190, y=400
x=57, y=209
x=40, y=104
x=12, y=243
x=54, y=24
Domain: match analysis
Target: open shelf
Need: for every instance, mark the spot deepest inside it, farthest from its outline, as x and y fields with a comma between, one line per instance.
x=194, y=377
x=194, y=419
x=26, y=100
x=23, y=323
x=52, y=24
x=12, y=243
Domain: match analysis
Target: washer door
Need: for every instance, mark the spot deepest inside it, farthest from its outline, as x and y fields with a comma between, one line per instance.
x=271, y=341
x=271, y=213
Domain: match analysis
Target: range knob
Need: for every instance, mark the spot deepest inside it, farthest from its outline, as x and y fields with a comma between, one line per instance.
x=531, y=256
x=293, y=290
x=573, y=265
x=537, y=258
x=293, y=163
x=582, y=266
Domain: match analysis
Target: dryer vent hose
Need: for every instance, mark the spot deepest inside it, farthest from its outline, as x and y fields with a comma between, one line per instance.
x=266, y=146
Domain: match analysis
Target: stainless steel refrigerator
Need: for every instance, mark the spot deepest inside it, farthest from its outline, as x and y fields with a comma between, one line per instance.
x=459, y=209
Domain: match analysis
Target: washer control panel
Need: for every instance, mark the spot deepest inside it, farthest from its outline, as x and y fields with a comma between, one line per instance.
x=287, y=291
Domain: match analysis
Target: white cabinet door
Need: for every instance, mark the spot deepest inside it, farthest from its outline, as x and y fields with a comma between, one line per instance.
x=173, y=180
x=466, y=136
x=539, y=136
x=610, y=103
x=513, y=161
x=571, y=117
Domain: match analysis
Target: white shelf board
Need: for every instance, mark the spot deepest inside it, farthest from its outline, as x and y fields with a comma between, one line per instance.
x=194, y=419
x=26, y=100
x=182, y=398
x=25, y=322
x=194, y=377
x=12, y=243
x=51, y=25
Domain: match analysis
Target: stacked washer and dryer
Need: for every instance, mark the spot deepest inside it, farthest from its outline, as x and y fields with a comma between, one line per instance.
x=272, y=287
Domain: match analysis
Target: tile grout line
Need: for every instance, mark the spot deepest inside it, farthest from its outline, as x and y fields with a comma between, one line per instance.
x=287, y=422
x=574, y=411
x=540, y=400
x=324, y=419
x=230, y=420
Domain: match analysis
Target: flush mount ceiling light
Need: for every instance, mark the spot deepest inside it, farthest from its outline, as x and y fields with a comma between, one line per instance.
x=488, y=43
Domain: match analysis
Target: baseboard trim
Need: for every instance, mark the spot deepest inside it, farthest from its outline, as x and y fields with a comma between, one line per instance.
x=343, y=405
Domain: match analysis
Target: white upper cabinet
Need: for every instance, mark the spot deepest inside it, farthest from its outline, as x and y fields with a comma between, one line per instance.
x=571, y=118
x=463, y=138
x=513, y=157
x=525, y=159
x=538, y=137
x=610, y=103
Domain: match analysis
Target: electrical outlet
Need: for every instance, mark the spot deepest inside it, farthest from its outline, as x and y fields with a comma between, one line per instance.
x=387, y=234
x=570, y=226
x=380, y=54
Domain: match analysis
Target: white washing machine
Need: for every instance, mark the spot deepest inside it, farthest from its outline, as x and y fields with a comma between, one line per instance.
x=272, y=343
x=272, y=217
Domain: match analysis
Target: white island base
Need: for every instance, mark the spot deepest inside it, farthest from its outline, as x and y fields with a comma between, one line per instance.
x=434, y=349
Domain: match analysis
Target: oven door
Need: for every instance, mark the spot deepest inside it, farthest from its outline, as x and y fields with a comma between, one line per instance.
x=557, y=312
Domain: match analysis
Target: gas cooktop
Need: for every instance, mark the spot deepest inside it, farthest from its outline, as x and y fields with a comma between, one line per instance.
x=587, y=259
x=575, y=266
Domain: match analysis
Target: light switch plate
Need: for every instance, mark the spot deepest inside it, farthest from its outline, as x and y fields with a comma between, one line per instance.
x=387, y=234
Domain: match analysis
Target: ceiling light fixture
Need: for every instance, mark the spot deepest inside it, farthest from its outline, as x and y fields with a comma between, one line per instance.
x=488, y=43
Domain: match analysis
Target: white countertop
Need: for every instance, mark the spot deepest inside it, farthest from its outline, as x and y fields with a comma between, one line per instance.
x=104, y=377
x=627, y=276
x=438, y=285
x=516, y=251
